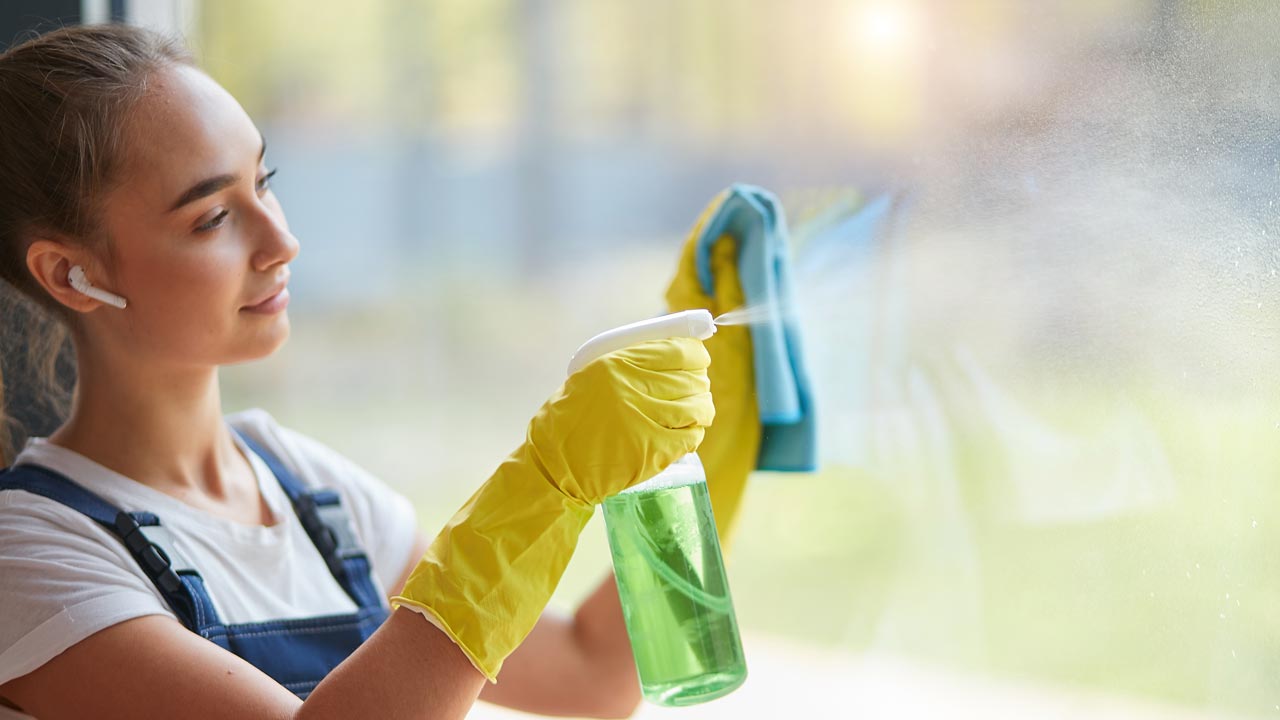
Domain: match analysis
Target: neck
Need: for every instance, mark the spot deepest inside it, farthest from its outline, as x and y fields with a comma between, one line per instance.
x=160, y=425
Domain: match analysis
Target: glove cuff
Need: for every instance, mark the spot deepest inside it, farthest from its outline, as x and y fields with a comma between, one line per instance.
x=490, y=572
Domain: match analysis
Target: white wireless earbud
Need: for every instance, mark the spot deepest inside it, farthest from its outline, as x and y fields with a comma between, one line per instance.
x=82, y=285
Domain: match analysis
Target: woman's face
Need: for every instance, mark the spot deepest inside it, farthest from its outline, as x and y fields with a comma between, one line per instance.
x=199, y=245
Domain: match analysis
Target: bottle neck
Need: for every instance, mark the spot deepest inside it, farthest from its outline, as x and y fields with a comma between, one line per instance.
x=685, y=471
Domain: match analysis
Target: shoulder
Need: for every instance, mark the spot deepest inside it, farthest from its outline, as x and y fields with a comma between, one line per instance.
x=314, y=463
x=29, y=520
x=65, y=577
x=259, y=425
x=384, y=520
x=37, y=532
x=23, y=509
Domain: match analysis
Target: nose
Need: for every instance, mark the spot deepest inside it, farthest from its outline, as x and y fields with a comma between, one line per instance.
x=273, y=243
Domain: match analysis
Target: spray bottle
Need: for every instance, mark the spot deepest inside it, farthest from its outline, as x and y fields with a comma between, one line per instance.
x=666, y=557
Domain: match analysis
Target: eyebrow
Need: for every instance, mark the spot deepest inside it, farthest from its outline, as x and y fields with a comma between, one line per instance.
x=209, y=186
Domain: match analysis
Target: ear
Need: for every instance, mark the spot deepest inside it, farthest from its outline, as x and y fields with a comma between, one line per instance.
x=50, y=261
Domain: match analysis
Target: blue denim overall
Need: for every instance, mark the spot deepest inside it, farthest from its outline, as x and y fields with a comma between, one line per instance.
x=298, y=653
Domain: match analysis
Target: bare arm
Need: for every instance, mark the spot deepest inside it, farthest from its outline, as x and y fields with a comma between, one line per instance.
x=408, y=668
x=152, y=667
x=580, y=666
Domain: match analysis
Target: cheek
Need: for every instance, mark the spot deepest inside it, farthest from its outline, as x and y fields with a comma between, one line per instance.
x=187, y=297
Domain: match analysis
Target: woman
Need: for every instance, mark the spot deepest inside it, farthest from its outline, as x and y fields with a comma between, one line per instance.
x=158, y=559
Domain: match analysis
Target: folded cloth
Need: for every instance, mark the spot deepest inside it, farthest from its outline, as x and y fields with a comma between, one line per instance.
x=755, y=219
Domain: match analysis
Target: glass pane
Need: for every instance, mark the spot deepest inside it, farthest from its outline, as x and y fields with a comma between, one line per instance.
x=1036, y=259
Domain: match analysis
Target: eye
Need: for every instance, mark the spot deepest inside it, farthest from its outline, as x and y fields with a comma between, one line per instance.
x=264, y=183
x=213, y=224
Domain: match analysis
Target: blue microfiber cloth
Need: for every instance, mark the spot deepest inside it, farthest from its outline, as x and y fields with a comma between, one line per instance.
x=754, y=218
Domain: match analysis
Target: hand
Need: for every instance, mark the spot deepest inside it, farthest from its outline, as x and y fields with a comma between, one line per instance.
x=732, y=443
x=623, y=418
x=620, y=420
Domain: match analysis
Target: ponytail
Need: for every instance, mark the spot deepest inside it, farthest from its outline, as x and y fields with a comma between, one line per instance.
x=37, y=372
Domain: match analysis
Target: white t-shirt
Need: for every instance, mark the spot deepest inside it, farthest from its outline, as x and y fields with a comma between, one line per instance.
x=63, y=577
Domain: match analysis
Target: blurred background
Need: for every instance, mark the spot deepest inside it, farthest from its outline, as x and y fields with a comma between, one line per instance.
x=1036, y=247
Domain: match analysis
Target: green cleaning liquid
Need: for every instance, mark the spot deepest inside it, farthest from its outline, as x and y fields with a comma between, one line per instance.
x=675, y=595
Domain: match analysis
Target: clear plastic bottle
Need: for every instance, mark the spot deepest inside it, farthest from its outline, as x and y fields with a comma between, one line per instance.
x=666, y=556
x=674, y=591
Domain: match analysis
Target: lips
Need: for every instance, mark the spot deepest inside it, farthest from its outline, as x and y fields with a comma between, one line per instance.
x=273, y=300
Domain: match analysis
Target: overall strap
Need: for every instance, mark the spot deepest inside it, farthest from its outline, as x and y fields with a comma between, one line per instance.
x=327, y=524
x=143, y=536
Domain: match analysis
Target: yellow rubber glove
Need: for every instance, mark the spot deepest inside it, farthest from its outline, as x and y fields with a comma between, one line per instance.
x=732, y=443
x=618, y=421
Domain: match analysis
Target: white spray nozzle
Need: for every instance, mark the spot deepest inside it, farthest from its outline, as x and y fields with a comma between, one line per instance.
x=689, y=323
